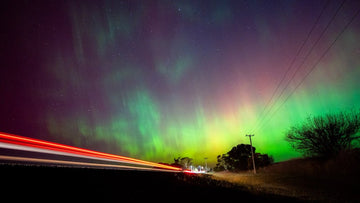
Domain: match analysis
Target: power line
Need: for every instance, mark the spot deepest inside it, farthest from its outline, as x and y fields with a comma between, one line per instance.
x=293, y=61
x=305, y=58
x=318, y=61
x=302, y=63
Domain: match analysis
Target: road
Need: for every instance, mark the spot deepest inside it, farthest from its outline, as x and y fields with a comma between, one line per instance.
x=59, y=154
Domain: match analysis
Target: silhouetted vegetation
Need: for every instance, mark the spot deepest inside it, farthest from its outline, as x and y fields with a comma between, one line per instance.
x=182, y=162
x=325, y=136
x=239, y=158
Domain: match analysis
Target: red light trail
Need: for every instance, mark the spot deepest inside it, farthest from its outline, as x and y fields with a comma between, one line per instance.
x=16, y=142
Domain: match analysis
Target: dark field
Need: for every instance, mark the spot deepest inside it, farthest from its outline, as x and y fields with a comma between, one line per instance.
x=40, y=183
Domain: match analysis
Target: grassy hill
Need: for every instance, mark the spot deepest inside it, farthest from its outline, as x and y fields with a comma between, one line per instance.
x=333, y=179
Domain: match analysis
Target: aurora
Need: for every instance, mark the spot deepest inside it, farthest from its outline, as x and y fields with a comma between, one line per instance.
x=156, y=80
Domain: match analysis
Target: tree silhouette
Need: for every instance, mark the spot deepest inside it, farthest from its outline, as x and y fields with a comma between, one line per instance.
x=177, y=162
x=183, y=162
x=239, y=158
x=325, y=136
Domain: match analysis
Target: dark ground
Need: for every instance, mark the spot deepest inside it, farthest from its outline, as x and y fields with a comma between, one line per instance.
x=39, y=183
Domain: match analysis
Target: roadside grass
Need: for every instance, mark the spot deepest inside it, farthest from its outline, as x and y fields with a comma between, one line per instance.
x=331, y=180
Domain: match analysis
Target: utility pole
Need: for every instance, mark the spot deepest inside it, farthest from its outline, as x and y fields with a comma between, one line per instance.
x=252, y=153
x=205, y=164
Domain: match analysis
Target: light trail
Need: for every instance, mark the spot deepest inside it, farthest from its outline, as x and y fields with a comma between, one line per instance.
x=77, y=163
x=55, y=146
x=49, y=151
x=15, y=142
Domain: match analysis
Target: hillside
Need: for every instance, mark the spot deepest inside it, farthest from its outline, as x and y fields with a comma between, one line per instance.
x=308, y=179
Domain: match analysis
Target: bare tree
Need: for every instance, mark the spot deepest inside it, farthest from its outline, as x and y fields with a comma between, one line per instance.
x=325, y=135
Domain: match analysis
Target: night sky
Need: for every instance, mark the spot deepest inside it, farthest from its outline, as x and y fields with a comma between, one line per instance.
x=160, y=79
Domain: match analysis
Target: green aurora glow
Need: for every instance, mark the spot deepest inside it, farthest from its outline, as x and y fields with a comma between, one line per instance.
x=159, y=79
